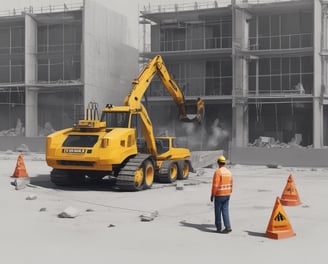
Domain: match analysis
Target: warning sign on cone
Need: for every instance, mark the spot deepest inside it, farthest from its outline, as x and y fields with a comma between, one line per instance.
x=290, y=195
x=20, y=170
x=279, y=225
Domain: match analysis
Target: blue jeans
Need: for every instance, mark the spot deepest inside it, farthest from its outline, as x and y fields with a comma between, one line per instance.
x=221, y=207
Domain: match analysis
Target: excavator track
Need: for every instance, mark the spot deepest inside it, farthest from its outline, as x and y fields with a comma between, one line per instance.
x=125, y=180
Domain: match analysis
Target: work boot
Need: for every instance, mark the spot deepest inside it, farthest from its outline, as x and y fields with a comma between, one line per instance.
x=226, y=230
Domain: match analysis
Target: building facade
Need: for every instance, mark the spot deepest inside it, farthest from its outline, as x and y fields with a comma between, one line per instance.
x=55, y=60
x=260, y=66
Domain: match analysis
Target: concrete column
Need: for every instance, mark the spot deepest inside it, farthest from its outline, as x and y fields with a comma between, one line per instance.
x=107, y=77
x=31, y=112
x=240, y=81
x=31, y=94
x=317, y=76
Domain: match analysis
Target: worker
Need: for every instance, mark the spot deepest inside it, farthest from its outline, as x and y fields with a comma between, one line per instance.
x=221, y=191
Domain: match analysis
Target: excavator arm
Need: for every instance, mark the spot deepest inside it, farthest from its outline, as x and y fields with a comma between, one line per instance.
x=141, y=84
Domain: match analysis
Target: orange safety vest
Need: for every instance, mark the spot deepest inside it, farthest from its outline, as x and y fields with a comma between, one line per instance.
x=222, y=182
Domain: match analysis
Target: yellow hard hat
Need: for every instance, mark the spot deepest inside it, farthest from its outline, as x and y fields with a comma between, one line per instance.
x=222, y=159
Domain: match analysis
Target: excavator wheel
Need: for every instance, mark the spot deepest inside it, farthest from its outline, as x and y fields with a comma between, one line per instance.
x=172, y=174
x=149, y=173
x=184, y=170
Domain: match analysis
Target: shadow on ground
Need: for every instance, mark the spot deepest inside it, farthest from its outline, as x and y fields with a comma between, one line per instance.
x=105, y=184
x=255, y=234
x=43, y=180
x=201, y=227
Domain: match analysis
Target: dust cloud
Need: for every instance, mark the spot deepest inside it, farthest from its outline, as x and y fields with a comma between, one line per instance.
x=203, y=136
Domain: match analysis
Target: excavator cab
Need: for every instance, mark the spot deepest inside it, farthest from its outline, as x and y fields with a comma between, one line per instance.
x=194, y=111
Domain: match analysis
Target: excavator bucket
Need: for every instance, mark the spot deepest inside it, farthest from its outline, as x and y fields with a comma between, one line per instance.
x=194, y=111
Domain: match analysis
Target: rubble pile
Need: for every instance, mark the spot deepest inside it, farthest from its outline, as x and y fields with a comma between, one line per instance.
x=19, y=130
x=270, y=142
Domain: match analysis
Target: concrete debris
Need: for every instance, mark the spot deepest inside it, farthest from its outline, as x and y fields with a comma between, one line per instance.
x=201, y=159
x=31, y=197
x=200, y=172
x=270, y=142
x=179, y=186
x=23, y=148
x=148, y=216
x=273, y=166
x=21, y=183
x=69, y=212
x=19, y=130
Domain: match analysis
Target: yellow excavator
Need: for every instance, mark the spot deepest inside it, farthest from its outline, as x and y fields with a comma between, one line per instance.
x=121, y=144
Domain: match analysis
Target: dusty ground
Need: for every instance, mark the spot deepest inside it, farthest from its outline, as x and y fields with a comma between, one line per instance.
x=108, y=226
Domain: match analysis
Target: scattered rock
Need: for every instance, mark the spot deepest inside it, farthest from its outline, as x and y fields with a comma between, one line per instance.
x=179, y=186
x=263, y=190
x=31, y=197
x=89, y=210
x=43, y=209
x=273, y=166
x=149, y=216
x=9, y=152
x=69, y=212
x=200, y=172
x=111, y=225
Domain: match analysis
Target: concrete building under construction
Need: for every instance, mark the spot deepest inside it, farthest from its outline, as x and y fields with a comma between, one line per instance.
x=260, y=66
x=55, y=60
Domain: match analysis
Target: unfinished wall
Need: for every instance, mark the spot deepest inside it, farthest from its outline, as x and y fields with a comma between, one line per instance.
x=110, y=63
x=287, y=157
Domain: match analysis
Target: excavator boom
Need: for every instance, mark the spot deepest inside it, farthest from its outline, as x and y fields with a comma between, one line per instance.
x=189, y=111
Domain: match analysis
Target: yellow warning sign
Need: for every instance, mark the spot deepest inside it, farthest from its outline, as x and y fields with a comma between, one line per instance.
x=290, y=189
x=279, y=217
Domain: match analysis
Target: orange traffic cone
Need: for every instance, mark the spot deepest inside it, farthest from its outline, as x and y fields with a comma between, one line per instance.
x=290, y=195
x=279, y=226
x=20, y=170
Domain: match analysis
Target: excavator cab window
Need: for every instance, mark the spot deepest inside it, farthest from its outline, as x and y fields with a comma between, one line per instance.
x=137, y=124
x=162, y=145
x=116, y=119
x=87, y=141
